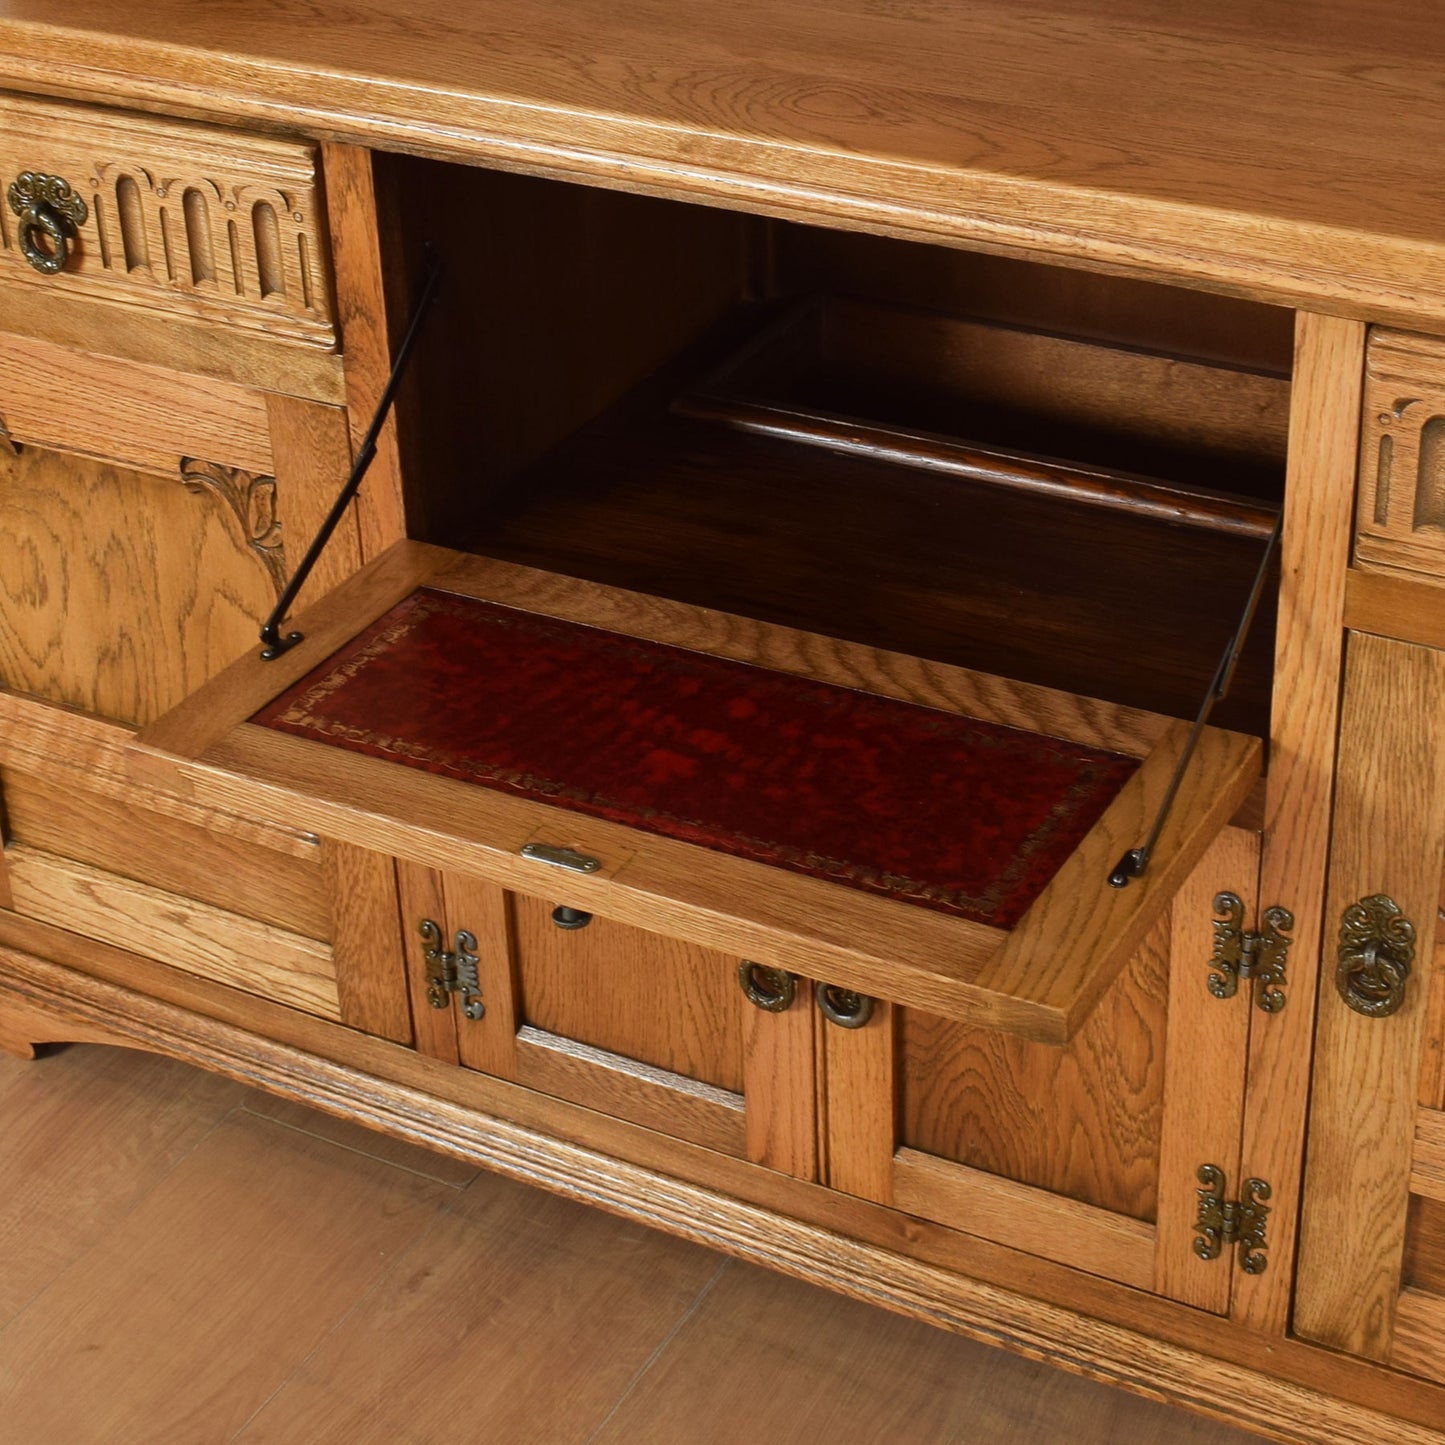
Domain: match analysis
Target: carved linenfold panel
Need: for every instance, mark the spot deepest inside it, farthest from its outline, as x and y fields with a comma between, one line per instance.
x=1401, y=517
x=252, y=500
x=179, y=217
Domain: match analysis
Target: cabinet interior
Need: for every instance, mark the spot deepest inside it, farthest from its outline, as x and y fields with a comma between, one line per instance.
x=1045, y=474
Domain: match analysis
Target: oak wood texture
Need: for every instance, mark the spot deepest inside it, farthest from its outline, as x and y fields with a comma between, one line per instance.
x=859, y=1103
x=643, y=995
x=1205, y=1055
x=1427, y=1170
x=147, y=417
x=419, y=893
x=1419, y=1322
x=366, y=948
x=1314, y=554
x=191, y=1001
x=1389, y=834
x=1050, y=1225
x=1297, y=1407
x=1266, y=167
x=1040, y=981
x=121, y=592
x=783, y=1086
x=659, y=1099
x=1083, y=1120
x=1401, y=507
x=195, y=347
x=1393, y=605
x=87, y=754
x=367, y=297
x=175, y=930
x=312, y=448
x=180, y=218
x=485, y=911
x=120, y=832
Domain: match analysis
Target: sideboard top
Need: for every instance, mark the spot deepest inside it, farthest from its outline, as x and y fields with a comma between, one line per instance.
x=1270, y=149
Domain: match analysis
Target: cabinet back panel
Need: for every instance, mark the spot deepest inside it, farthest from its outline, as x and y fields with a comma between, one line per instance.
x=1083, y=1120
x=639, y=994
x=556, y=300
x=120, y=593
x=1025, y=293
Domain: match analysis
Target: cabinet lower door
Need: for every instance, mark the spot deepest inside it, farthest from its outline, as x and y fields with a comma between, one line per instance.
x=618, y=1019
x=1372, y=1236
x=1117, y=1154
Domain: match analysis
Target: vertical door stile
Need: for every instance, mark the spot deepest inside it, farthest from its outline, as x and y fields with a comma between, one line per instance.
x=1205, y=1055
x=1318, y=520
x=365, y=943
x=860, y=1122
x=484, y=910
x=780, y=1066
x=422, y=897
x=1389, y=836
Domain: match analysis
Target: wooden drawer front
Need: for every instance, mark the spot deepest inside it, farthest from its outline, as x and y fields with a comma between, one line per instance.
x=1402, y=454
x=179, y=218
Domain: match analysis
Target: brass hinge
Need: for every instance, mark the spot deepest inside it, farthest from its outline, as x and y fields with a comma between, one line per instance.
x=452, y=972
x=1258, y=958
x=1224, y=1223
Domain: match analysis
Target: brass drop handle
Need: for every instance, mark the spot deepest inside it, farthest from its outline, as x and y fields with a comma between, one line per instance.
x=1377, y=949
x=48, y=208
x=770, y=989
x=845, y=1007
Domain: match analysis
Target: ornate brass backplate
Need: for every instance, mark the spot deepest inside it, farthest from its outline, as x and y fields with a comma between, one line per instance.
x=47, y=206
x=1377, y=949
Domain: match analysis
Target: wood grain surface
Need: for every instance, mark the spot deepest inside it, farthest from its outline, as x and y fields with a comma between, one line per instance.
x=1388, y=838
x=1250, y=157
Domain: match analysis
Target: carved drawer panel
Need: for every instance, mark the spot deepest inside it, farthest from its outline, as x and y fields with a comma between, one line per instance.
x=169, y=216
x=1401, y=519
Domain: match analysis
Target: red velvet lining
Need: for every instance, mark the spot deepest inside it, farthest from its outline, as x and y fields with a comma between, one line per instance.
x=963, y=816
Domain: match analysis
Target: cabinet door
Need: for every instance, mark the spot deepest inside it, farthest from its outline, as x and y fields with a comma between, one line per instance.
x=1372, y=1238
x=619, y=1019
x=148, y=521
x=1089, y=1154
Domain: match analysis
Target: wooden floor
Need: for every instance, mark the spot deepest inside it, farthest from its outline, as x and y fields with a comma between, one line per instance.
x=186, y=1262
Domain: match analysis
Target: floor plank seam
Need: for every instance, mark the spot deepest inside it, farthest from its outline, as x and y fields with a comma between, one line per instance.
x=354, y=1149
x=657, y=1353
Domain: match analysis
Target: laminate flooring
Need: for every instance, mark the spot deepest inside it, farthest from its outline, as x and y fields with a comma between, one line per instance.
x=186, y=1262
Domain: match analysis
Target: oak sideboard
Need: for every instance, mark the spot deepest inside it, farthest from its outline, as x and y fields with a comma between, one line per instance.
x=854, y=651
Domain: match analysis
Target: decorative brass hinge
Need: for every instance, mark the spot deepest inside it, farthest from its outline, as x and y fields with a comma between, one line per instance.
x=1258, y=958
x=454, y=972
x=1223, y=1223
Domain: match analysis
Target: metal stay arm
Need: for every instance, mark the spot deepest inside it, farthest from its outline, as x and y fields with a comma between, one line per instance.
x=273, y=643
x=1136, y=860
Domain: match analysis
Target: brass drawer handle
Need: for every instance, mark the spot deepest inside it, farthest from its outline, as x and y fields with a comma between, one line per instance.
x=1377, y=948
x=47, y=207
x=770, y=989
x=845, y=1007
